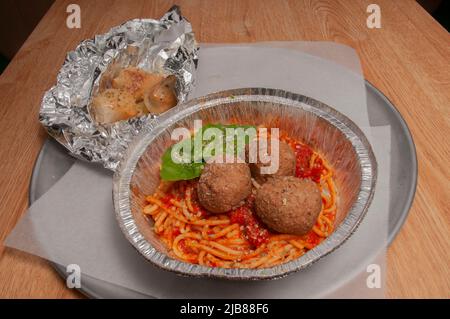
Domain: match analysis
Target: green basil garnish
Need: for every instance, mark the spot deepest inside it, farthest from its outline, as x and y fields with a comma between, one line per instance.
x=173, y=171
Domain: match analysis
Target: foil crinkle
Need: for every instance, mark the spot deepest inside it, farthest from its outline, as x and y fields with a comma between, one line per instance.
x=165, y=46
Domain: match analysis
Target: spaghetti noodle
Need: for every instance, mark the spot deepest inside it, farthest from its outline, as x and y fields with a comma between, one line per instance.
x=238, y=239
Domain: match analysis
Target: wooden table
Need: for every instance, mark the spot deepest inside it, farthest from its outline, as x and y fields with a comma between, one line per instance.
x=407, y=59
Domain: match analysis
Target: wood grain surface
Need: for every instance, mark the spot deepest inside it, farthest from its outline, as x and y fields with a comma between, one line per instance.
x=408, y=59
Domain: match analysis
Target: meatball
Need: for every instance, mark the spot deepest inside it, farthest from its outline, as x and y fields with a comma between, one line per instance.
x=223, y=186
x=286, y=162
x=288, y=204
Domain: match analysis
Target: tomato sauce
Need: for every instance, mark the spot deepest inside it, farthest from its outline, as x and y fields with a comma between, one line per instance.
x=175, y=232
x=303, y=155
x=254, y=231
x=312, y=239
x=166, y=199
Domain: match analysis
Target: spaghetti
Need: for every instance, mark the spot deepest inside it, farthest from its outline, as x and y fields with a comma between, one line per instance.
x=238, y=239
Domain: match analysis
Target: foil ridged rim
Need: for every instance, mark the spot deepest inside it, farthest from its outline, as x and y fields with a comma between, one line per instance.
x=164, y=46
x=122, y=179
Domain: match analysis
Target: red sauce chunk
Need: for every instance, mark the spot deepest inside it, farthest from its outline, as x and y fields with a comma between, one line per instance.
x=254, y=231
x=312, y=239
x=175, y=232
x=303, y=169
x=184, y=248
x=166, y=199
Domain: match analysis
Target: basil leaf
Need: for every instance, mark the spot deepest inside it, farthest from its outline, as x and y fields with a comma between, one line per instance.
x=171, y=171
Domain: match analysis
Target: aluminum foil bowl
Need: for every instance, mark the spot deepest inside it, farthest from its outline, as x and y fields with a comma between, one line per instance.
x=341, y=142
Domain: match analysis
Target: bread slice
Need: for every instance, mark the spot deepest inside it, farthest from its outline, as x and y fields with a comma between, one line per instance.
x=161, y=97
x=113, y=105
x=136, y=81
x=126, y=97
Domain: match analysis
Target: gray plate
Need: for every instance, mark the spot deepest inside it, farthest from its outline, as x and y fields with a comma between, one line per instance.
x=53, y=161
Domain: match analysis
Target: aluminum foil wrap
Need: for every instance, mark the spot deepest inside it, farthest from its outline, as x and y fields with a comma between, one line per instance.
x=164, y=46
